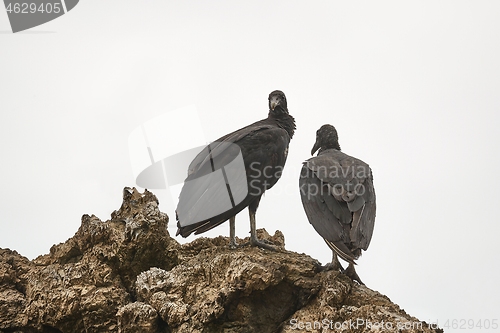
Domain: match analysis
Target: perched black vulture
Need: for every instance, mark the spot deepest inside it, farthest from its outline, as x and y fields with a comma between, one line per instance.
x=339, y=199
x=234, y=171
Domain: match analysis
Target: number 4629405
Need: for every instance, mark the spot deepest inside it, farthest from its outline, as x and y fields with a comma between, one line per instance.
x=485, y=324
x=25, y=8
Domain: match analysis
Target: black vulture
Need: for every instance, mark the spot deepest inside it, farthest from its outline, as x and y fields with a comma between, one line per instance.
x=234, y=171
x=339, y=199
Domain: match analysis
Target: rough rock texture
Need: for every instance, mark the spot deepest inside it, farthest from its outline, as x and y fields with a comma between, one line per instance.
x=128, y=275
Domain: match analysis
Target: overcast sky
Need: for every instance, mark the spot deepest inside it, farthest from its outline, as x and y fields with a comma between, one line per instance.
x=412, y=88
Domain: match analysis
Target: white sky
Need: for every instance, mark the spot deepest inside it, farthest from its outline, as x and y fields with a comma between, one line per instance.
x=412, y=88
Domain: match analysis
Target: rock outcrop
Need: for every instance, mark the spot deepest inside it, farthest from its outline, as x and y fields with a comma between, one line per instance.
x=128, y=275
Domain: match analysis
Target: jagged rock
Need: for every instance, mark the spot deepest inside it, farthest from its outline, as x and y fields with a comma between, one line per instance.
x=137, y=317
x=128, y=275
x=219, y=286
x=13, y=278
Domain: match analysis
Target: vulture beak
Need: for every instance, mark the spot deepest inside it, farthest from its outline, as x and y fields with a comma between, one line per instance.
x=274, y=102
x=315, y=147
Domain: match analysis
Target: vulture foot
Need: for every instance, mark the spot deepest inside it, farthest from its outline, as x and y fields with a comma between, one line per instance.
x=333, y=266
x=263, y=244
x=351, y=272
x=233, y=245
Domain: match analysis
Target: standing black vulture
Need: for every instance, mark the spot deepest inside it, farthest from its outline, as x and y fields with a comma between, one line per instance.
x=234, y=171
x=339, y=199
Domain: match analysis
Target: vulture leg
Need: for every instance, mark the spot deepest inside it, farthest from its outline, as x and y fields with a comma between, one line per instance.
x=232, y=233
x=351, y=272
x=334, y=265
x=254, y=241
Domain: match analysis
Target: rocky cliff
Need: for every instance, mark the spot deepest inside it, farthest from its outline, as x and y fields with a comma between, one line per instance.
x=128, y=275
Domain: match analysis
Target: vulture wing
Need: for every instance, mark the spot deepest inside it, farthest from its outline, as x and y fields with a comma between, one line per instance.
x=229, y=173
